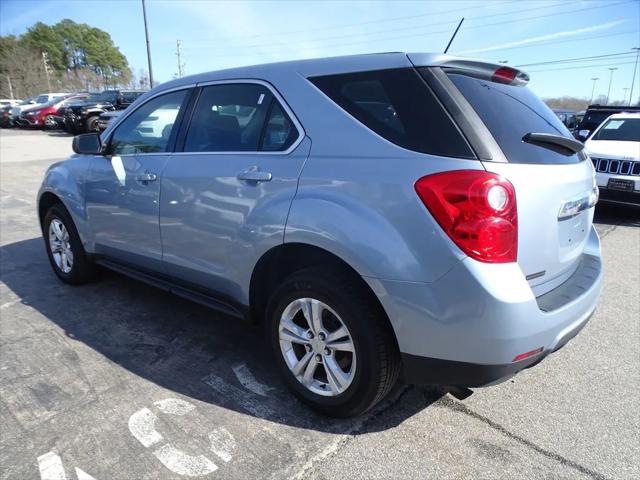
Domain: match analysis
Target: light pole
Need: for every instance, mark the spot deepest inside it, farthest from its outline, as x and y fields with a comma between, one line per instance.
x=146, y=34
x=633, y=80
x=624, y=98
x=611, y=69
x=593, y=89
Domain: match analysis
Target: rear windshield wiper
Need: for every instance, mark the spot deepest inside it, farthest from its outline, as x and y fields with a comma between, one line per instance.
x=548, y=139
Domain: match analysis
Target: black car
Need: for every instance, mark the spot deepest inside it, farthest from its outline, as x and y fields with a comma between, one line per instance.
x=83, y=116
x=595, y=115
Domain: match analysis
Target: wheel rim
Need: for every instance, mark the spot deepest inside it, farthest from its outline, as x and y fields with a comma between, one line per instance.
x=49, y=121
x=317, y=347
x=60, y=246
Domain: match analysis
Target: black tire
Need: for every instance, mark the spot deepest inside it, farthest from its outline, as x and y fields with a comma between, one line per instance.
x=378, y=360
x=82, y=269
x=92, y=124
x=49, y=123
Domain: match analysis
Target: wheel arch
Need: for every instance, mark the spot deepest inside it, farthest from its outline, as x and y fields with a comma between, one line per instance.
x=282, y=260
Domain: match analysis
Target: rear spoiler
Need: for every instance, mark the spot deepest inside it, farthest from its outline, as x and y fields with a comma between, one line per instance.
x=472, y=68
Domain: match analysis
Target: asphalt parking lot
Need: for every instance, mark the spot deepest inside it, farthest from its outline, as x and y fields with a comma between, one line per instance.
x=117, y=380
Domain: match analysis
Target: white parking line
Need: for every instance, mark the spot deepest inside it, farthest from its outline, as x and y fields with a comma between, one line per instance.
x=222, y=443
x=50, y=466
x=82, y=475
x=179, y=462
x=142, y=426
x=174, y=406
x=248, y=381
x=235, y=396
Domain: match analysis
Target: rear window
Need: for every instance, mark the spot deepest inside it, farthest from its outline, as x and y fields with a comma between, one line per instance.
x=397, y=105
x=510, y=112
x=620, y=129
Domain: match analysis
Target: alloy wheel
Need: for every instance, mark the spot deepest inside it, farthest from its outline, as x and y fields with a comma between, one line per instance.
x=317, y=347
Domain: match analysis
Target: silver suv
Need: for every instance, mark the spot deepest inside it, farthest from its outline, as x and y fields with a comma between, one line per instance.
x=388, y=215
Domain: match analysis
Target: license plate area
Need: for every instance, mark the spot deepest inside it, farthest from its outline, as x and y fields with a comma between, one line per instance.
x=620, y=184
x=572, y=232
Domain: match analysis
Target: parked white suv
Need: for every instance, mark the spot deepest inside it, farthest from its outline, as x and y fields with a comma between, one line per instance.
x=615, y=152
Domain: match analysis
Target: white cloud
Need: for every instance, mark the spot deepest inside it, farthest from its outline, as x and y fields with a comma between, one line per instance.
x=551, y=36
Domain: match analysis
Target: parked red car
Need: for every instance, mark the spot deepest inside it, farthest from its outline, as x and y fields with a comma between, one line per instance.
x=43, y=116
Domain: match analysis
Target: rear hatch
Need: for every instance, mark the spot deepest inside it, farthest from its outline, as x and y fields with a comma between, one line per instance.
x=553, y=183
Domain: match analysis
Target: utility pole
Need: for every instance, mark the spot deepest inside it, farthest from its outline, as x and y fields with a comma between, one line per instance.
x=593, y=89
x=611, y=69
x=180, y=64
x=633, y=80
x=624, y=99
x=46, y=69
x=146, y=34
x=10, y=87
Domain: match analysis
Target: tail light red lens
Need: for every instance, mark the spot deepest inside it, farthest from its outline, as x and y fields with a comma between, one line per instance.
x=477, y=210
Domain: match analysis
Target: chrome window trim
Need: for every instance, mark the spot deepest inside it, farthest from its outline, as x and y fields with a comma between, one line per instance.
x=283, y=104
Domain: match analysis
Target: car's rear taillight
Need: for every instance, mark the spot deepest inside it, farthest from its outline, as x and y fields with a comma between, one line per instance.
x=477, y=209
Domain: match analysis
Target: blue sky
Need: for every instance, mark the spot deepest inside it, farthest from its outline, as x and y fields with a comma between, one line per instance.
x=220, y=34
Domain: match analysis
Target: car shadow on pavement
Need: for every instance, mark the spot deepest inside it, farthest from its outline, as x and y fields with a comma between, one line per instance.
x=59, y=133
x=610, y=214
x=176, y=344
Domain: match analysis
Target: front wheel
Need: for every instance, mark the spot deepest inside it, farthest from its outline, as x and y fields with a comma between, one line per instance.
x=50, y=123
x=64, y=247
x=332, y=342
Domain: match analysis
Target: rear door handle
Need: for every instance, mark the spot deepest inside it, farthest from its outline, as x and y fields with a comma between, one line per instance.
x=254, y=174
x=147, y=177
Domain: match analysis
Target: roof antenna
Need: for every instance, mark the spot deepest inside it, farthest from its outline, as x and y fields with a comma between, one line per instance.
x=454, y=35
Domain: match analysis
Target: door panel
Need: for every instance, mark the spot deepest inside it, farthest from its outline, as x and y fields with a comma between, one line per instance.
x=215, y=226
x=226, y=197
x=123, y=190
x=123, y=210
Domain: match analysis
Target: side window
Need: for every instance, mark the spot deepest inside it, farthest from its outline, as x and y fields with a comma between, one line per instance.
x=231, y=118
x=279, y=131
x=397, y=105
x=148, y=128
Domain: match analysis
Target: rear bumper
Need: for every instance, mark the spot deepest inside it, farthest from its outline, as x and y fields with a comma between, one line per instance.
x=434, y=371
x=466, y=328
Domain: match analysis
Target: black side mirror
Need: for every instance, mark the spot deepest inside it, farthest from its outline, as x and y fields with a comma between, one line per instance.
x=87, y=144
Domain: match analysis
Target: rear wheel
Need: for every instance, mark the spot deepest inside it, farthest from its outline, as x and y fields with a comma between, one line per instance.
x=64, y=247
x=332, y=342
x=92, y=124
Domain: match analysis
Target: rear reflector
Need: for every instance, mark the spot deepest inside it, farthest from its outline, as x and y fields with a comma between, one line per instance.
x=522, y=356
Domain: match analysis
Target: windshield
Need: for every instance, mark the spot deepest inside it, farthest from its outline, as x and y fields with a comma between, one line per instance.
x=26, y=101
x=510, y=112
x=620, y=129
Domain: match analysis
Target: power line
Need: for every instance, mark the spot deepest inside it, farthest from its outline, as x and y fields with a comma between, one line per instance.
x=580, y=67
x=402, y=29
x=415, y=34
x=386, y=21
x=568, y=60
x=577, y=39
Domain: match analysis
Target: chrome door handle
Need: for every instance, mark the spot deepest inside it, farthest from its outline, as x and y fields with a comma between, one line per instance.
x=254, y=174
x=147, y=177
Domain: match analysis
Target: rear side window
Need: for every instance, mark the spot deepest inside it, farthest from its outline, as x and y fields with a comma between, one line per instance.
x=510, y=112
x=238, y=117
x=399, y=106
